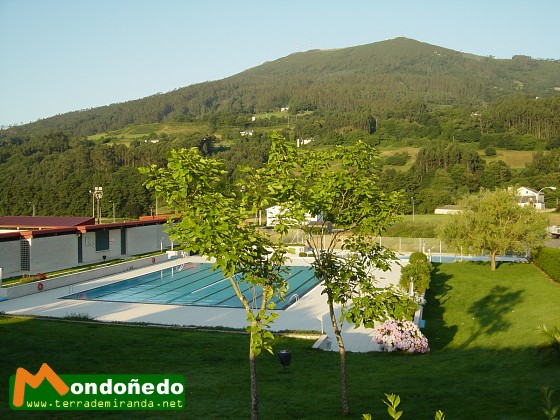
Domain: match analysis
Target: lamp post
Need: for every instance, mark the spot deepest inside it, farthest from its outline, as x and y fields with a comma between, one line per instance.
x=97, y=195
x=33, y=204
x=92, y=204
x=541, y=190
x=413, y=208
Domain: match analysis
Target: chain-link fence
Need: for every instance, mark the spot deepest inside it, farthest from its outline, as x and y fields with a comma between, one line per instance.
x=434, y=248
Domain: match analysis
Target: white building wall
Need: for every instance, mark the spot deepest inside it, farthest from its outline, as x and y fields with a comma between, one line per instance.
x=91, y=255
x=50, y=253
x=10, y=260
x=146, y=239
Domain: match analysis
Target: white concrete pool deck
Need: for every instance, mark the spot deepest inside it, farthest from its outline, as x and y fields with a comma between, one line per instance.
x=309, y=313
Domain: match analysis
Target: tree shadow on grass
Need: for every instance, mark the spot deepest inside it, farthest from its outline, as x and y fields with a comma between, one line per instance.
x=438, y=333
x=489, y=312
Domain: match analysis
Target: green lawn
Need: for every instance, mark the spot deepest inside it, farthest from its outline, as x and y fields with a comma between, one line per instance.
x=484, y=362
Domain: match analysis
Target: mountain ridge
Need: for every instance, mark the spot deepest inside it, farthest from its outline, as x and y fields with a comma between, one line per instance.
x=376, y=78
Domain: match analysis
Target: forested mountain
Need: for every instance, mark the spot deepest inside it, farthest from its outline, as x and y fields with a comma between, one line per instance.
x=454, y=108
x=398, y=77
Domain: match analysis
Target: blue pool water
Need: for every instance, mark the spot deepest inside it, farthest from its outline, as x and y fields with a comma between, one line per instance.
x=192, y=284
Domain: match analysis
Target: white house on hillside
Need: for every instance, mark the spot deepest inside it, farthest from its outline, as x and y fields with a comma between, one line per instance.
x=273, y=212
x=529, y=197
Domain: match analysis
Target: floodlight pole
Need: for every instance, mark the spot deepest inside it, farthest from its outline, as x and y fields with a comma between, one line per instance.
x=98, y=195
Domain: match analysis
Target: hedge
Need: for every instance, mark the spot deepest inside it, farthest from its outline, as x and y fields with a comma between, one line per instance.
x=548, y=260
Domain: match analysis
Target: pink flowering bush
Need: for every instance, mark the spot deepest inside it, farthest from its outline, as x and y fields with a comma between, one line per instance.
x=401, y=335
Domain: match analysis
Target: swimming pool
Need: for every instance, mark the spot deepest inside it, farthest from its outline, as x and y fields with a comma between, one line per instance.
x=193, y=284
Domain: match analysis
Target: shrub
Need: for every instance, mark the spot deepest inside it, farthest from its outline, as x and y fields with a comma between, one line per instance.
x=398, y=159
x=490, y=151
x=420, y=273
x=547, y=260
x=417, y=257
x=401, y=335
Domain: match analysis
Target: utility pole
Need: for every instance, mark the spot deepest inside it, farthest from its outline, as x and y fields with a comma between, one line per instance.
x=113, y=210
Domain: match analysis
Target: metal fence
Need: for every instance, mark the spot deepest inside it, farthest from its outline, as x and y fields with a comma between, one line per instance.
x=432, y=247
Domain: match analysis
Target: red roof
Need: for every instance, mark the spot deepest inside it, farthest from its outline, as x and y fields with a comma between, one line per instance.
x=43, y=222
x=51, y=226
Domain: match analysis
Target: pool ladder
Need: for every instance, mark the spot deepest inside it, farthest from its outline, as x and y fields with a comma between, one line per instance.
x=295, y=295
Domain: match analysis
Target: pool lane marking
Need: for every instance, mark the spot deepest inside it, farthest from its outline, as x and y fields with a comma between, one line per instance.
x=194, y=301
x=207, y=286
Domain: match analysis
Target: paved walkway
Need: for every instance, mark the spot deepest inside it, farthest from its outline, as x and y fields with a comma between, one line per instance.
x=309, y=313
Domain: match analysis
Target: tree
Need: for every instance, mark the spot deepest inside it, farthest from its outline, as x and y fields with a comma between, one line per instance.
x=495, y=174
x=213, y=224
x=493, y=221
x=340, y=185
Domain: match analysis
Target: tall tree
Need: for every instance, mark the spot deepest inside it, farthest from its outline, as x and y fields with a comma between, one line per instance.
x=493, y=221
x=339, y=184
x=213, y=224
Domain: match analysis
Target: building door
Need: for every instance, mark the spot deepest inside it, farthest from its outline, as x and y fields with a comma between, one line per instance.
x=80, y=249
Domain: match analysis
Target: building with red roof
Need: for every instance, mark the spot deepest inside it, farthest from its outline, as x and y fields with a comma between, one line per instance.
x=40, y=244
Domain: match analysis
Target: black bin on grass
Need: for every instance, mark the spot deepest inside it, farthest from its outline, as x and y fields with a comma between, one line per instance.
x=285, y=357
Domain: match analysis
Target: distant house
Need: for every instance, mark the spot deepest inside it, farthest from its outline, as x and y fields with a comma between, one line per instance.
x=246, y=133
x=448, y=210
x=273, y=212
x=285, y=109
x=529, y=197
x=302, y=142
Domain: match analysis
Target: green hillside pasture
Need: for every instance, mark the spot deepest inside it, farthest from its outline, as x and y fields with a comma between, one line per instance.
x=515, y=159
x=412, y=151
x=134, y=132
x=280, y=114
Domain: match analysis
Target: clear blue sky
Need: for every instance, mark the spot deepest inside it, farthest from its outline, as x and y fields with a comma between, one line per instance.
x=64, y=55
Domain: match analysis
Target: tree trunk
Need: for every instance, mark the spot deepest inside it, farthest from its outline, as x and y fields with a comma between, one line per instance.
x=492, y=260
x=342, y=351
x=254, y=392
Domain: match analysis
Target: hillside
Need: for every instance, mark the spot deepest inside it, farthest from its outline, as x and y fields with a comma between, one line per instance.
x=448, y=123
x=398, y=76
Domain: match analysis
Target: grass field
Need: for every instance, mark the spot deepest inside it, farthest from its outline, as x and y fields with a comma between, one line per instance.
x=515, y=159
x=130, y=133
x=484, y=362
x=554, y=218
